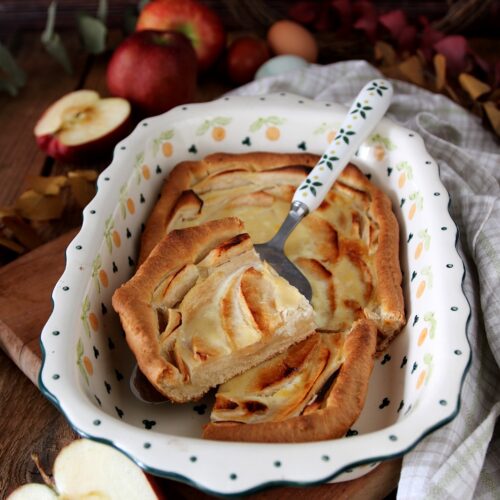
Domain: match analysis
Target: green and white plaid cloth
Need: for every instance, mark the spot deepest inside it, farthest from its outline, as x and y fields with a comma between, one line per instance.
x=462, y=459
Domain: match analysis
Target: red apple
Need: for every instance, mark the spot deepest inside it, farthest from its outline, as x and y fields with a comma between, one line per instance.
x=195, y=20
x=154, y=70
x=81, y=124
x=87, y=469
x=245, y=56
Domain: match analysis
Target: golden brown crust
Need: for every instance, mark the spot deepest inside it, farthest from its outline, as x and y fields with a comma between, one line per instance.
x=339, y=411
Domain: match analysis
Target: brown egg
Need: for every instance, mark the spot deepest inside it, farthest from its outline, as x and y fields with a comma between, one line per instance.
x=287, y=37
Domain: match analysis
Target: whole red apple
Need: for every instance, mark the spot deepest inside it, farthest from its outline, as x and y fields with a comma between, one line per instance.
x=154, y=70
x=195, y=20
x=244, y=57
x=81, y=125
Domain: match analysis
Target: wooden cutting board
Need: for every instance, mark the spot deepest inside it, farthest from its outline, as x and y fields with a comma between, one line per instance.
x=26, y=286
x=25, y=305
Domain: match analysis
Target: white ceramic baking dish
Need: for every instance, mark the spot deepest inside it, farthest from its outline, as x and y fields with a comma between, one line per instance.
x=415, y=386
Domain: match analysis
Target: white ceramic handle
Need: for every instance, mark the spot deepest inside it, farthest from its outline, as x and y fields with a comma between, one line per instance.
x=366, y=111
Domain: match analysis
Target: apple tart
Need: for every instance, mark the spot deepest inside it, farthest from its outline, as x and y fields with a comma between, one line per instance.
x=203, y=308
x=314, y=387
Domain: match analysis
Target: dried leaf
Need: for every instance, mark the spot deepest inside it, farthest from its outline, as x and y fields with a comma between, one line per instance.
x=440, y=69
x=304, y=12
x=37, y=207
x=407, y=39
x=413, y=70
x=384, y=53
x=452, y=93
x=454, y=48
x=7, y=212
x=11, y=245
x=367, y=19
x=496, y=75
x=394, y=21
x=484, y=65
x=428, y=39
x=22, y=231
x=474, y=87
x=325, y=19
x=493, y=114
x=343, y=14
x=47, y=185
x=495, y=95
x=392, y=72
x=88, y=174
x=83, y=191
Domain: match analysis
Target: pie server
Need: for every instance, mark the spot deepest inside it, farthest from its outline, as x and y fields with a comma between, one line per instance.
x=367, y=110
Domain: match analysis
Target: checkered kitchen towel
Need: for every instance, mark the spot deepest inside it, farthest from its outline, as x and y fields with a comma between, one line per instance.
x=462, y=459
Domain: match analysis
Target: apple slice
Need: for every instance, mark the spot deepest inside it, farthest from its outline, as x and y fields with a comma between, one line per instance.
x=81, y=124
x=86, y=469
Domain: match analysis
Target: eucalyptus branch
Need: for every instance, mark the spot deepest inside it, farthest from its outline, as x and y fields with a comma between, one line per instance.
x=52, y=41
x=93, y=30
x=15, y=77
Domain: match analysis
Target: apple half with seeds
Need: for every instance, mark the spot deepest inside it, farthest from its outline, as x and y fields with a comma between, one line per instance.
x=81, y=125
x=86, y=469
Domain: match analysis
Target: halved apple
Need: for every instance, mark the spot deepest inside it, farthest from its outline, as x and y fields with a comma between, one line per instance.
x=81, y=124
x=86, y=469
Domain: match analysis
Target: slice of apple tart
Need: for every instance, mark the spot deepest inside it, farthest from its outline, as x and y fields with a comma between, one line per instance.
x=203, y=308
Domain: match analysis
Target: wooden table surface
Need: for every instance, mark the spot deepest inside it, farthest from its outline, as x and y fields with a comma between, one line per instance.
x=28, y=422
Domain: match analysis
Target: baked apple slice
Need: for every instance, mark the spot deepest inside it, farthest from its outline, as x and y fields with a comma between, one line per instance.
x=81, y=124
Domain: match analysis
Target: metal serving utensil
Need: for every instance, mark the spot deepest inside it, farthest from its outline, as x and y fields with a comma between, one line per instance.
x=367, y=110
